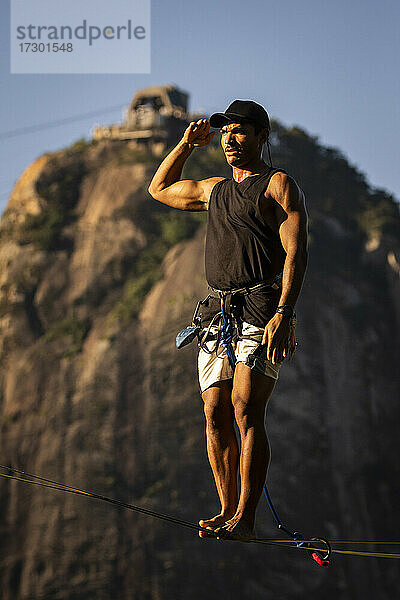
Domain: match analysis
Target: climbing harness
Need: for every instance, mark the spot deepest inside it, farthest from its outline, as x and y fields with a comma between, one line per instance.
x=225, y=327
x=312, y=545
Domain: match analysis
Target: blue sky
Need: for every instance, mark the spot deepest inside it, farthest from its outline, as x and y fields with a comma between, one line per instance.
x=329, y=67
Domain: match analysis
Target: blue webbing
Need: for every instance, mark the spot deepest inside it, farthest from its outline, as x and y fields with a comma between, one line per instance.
x=295, y=535
x=227, y=336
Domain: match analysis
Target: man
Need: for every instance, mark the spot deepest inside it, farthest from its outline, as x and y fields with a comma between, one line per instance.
x=257, y=234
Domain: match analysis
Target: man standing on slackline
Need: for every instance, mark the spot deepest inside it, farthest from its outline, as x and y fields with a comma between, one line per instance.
x=256, y=234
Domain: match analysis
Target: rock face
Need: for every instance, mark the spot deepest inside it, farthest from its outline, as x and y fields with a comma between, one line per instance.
x=94, y=394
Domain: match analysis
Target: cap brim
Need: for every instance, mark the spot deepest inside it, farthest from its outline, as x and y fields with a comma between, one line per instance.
x=218, y=120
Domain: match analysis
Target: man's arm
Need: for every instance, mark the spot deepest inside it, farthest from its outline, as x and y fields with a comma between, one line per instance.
x=186, y=194
x=291, y=218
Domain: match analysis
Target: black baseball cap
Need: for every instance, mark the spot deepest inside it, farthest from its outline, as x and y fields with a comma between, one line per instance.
x=243, y=110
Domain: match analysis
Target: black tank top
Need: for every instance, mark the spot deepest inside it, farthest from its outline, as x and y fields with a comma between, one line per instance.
x=241, y=248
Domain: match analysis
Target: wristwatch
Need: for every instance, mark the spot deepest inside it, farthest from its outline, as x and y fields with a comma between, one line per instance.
x=286, y=310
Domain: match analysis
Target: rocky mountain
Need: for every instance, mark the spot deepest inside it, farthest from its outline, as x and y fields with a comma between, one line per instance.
x=96, y=278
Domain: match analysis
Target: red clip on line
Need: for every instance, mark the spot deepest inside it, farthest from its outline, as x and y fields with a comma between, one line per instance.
x=321, y=558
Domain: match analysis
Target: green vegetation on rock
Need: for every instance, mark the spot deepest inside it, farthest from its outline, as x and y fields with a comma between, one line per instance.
x=135, y=290
x=380, y=216
x=44, y=229
x=59, y=188
x=75, y=330
x=82, y=144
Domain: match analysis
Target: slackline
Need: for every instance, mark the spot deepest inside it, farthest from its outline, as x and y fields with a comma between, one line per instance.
x=24, y=477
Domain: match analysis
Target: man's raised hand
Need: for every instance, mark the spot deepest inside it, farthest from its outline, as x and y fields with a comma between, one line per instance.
x=198, y=133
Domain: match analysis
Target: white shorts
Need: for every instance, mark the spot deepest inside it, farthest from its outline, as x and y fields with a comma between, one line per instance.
x=214, y=366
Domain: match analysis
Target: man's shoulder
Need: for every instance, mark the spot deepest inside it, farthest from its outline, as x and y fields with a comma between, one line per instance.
x=211, y=181
x=280, y=177
x=209, y=184
x=280, y=183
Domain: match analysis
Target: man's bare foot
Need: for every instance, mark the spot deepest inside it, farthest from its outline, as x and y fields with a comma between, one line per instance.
x=238, y=529
x=213, y=523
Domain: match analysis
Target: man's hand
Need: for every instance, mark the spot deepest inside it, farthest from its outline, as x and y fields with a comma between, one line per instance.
x=198, y=133
x=276, y=338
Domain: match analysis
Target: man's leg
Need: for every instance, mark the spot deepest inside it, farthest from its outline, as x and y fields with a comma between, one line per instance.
x=222, y=449
x=250, y=394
